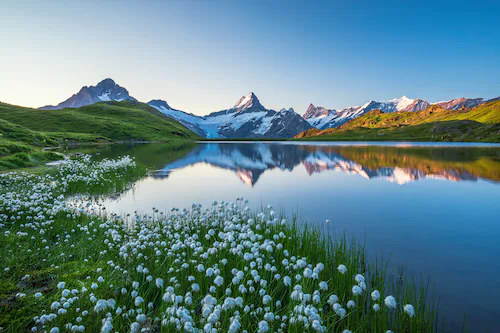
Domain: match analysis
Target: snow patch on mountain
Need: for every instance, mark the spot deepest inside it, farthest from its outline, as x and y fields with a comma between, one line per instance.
x=104, y=97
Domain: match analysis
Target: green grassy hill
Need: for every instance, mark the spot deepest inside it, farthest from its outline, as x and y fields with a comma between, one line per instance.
x=108, y=120
x=19, y=146
x=25, y=131
x=481, y=124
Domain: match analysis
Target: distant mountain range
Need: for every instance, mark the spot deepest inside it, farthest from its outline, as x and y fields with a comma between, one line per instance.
x=248, y=118
x=322, y=118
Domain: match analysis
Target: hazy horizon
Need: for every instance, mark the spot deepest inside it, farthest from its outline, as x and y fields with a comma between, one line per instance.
x=202, y=57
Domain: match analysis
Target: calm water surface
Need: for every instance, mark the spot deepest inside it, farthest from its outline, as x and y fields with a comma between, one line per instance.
x=434, y=208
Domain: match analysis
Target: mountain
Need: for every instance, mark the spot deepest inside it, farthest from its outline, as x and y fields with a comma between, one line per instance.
x=480, y=124
x=104, y=91
x=322, y=118
x=458, y=103
x=248, y=118
x=316, y=112
x=249, y=103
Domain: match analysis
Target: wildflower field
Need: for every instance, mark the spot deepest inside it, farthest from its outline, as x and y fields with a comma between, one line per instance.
x=67, y=266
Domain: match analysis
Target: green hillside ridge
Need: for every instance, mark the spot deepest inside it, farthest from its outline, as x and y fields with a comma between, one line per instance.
x=24, y=132
x=115, y=121
x=480, y=124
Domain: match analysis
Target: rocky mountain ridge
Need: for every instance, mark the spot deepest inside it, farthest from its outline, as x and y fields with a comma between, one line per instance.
x=248, y=118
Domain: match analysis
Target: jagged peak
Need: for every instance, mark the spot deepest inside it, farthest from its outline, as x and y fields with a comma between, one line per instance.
x=159, y=103
x=316, y=111
x=247, y=101
x=107, y=81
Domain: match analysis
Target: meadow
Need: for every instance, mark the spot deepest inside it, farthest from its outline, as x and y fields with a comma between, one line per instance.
x=26, y=132
x=68, y=266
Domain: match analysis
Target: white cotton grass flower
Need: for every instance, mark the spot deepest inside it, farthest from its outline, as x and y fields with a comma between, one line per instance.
x=218, y=281
x=342, y=269
x=138, y=301
x=409, y=309
x=287, y=281
x=135, y=327
x=351, y=304
x=333, y=299
x=390, y=302
x=376, y=307
x=375, y=295
x=356, y=290
x=263, y=327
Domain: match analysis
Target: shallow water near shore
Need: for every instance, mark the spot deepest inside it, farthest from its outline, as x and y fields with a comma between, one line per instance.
x=432, y=207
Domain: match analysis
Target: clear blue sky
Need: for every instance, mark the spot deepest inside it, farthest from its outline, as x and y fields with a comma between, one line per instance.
x=201, y=56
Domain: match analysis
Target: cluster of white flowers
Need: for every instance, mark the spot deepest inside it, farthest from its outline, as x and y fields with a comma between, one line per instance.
x=222, y=269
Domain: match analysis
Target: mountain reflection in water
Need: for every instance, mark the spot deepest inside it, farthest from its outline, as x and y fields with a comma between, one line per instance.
x=394, y=164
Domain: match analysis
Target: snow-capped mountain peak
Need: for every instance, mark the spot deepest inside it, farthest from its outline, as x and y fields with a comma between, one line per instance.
x=285, y=110
x=403, y=102
x=316, y=112
x=104, y=91
x=249, y=101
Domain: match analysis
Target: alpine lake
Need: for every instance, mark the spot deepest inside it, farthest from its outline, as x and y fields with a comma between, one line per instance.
x=430, y=208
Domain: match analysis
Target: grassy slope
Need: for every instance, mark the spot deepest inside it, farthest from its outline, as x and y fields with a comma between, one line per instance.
x=18, y=146
x=481, y=123
x=110, y=121
x=24, y=131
